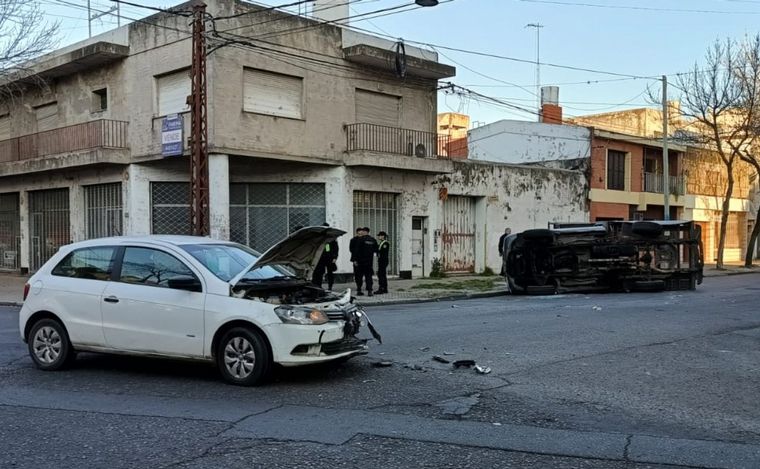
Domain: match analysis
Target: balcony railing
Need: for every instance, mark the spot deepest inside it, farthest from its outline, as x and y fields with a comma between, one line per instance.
x=101, y=133
x=654, y=182
x=408, y=142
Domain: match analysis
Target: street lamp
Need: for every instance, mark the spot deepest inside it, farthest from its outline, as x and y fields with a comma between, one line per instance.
x=426, y=3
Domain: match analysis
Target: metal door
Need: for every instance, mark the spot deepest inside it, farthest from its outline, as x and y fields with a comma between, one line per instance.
x=10, y=227
x=378, y=212
x=103, y=210
x=419, y=230
x=458, y=234
x=50, y=226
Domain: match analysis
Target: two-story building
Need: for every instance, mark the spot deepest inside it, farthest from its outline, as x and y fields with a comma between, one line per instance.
x=308, y=122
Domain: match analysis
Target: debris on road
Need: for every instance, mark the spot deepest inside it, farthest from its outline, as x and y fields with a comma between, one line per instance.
x=596, y=308
x=449, y=353
x=424, y=349
x=382, y=364
x=464, y=363
x=483, y=370
x=440, y=359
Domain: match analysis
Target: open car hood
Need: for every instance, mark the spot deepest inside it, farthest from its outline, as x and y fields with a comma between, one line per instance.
x=301, y=250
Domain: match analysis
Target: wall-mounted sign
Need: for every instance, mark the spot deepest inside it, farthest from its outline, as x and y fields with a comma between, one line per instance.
x=171, y=135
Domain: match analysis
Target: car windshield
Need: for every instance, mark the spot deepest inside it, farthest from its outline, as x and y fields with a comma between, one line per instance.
x=227, y=260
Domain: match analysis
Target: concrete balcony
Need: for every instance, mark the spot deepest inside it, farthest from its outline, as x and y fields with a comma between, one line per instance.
x=95, y=142
x=654, y=182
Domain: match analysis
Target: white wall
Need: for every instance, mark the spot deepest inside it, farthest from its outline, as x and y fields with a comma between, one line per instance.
x=509, y=141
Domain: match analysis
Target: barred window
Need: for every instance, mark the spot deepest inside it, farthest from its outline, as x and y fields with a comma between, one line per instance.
x=616, y=170
x=103, y=210
x=170, y=208
x=261, y=214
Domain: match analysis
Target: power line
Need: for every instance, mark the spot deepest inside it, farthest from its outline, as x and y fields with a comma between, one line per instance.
x=629, y=7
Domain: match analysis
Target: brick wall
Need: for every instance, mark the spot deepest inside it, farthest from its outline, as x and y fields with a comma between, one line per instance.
x=608, y=210
x=599, y=163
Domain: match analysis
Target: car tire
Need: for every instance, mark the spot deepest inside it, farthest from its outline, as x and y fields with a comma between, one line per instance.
x=243, y=357
x=539, y=235
x=49, y=345
x=647, y=228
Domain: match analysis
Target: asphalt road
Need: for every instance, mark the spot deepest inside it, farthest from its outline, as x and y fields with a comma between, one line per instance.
x=599, y=381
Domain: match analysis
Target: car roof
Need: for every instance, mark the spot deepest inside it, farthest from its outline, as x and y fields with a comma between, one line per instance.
x=163, y=240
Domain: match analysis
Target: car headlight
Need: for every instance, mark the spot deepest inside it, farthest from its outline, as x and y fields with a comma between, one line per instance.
x=300, y=315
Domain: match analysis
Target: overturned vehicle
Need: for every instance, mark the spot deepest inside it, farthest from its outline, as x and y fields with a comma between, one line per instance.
x=606, y=256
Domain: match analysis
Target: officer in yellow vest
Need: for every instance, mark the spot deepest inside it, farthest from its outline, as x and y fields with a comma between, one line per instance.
x=326, y=265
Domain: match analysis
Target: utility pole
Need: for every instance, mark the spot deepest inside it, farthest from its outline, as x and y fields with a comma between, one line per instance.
x=665, y=162
x=199, y=199
x=538, y=27
x=93, y=16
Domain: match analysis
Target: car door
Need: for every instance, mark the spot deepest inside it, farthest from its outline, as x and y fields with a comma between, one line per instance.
x=148, y=307
x=76, y=286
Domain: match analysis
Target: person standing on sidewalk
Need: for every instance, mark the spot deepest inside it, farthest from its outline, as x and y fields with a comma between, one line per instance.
x=383, y=251
x=326, y=266
x=364, y=254
x=503, y=238
x=352, y=250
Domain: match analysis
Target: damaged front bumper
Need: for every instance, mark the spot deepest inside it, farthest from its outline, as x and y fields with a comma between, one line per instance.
x=333, y=340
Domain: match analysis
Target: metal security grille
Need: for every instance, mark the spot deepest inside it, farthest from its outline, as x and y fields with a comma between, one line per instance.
x=458, y=234
x=378, y=212
x=262, y=214
x=170, y=208
x=49, y=224
x=10, y=232
x=103, y=210
x=616, y=170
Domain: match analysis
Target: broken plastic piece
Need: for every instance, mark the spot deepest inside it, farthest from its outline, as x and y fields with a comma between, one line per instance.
x=382, y=364
x=597, y=308
x=424, y=349
x=448, y=353
x=464, y=363
x=440, y=359
x=483, y=370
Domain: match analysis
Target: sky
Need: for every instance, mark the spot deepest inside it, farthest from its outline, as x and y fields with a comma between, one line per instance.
x=641, y=38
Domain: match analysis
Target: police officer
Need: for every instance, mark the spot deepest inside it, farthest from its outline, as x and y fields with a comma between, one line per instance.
x=383, y=250
x=365, y=248
x=326, y=264
x=352, y=250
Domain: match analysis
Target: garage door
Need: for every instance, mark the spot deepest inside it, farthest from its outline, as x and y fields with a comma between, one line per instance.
x=458, y=234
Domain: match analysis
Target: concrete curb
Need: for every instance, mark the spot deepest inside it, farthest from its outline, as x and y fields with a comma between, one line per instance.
x=725, y=273
x=11, y=303
x=463, y=296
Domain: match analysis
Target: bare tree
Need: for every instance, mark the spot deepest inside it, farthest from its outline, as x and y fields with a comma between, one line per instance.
x=748, y=75
x=24, y=35
x=712, y=98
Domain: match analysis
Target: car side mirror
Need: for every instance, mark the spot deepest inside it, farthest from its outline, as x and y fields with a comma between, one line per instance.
x=185, y=283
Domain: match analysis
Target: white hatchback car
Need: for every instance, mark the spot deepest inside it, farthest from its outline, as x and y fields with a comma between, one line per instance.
x=193, y=298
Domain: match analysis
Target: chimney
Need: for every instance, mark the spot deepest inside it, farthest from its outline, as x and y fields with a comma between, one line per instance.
x=331, y=10
x=551, y=112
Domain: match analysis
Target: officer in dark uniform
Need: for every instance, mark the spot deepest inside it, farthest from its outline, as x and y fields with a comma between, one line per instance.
x=326, y=265
x=365, y=248
x=352, y=250
x=383, y=251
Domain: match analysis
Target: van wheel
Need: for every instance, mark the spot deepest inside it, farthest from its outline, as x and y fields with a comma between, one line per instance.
x=49, y=345
x=243, y=357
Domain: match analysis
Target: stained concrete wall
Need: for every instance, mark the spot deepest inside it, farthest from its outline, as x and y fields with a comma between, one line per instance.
x=519, y=142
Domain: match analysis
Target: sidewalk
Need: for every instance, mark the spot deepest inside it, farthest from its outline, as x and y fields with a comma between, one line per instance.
x=400, y=291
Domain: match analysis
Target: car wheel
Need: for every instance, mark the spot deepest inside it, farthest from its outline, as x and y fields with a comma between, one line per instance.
x=243, y=357
x=49, y=345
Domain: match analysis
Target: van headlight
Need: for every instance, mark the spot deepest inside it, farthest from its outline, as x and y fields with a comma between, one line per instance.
x=299, y=315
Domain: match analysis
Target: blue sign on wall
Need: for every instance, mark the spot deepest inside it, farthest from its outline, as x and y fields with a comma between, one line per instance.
x=171, y=135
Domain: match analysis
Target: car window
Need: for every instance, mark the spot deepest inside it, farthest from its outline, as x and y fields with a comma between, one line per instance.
x=94, y=263
x=145, y=266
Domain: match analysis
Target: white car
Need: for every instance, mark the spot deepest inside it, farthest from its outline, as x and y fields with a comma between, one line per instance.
x=193, y=298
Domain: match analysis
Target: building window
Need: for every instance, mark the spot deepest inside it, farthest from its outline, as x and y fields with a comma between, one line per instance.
x=616, y=170
x=273, y=94
x=173, y=90
x=262, y=214
x=103, y=210
x=170, y=208
x=5, y=127
x=100, y=100
x=378, y=108
x=47, y=116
